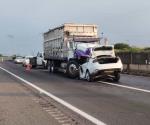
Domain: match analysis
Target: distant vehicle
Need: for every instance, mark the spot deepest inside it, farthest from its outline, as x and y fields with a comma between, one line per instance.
x=19, y=59
x=75, y=50
x=26, y=60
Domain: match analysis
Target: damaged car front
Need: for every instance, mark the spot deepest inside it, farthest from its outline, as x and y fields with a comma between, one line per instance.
x=102, y=63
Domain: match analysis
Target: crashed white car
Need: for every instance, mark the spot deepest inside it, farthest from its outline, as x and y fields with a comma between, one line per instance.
x=101, y=63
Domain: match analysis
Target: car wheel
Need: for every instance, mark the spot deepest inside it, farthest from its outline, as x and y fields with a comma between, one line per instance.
x=116, y=77
x=88, y=76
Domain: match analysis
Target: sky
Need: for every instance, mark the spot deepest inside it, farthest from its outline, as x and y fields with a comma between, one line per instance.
x=22, y=22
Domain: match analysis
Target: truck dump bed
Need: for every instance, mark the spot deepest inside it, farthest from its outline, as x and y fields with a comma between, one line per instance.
x=56, y=41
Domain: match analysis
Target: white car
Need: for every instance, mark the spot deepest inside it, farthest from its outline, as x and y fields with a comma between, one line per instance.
x=19, y=59
x=101, y=63
x=98, y=67
x=27, y=60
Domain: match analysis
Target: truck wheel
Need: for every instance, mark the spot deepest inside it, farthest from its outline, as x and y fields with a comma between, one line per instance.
x=116, y=77
x=44, y=65
x=88, y=76
x=73, y=69
x=49, y=68
x=52, y=67
x=49, y=65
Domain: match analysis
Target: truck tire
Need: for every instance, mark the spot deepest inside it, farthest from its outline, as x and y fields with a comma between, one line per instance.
x=51, y=67
x=116, y=76
x=73, y=69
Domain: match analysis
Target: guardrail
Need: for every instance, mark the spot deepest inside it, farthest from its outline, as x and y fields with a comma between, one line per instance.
x=138, y=58
x=136, y=69
x=137, y=62
x=5, y=58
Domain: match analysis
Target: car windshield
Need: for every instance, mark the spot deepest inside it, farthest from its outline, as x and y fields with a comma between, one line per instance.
x=104, y=48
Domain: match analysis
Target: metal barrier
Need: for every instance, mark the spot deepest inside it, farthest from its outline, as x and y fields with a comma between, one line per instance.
x=5, y=58
x=134, y=58
x=139, y=61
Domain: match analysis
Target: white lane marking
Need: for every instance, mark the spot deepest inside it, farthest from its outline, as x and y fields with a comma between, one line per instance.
x=61, y=117
x=63, y=121
x=127, y=87
x=66, y=104
x=66, y=124
x=48, y=110
x=58, y=115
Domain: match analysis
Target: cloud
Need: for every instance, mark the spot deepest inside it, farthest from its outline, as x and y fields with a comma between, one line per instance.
x=22, y=21
x=10, y=36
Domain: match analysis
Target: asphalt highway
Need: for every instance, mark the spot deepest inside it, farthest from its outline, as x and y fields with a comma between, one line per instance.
x=17, y=105
x=110, y=104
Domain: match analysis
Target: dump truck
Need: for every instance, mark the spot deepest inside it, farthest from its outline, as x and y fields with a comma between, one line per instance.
x=75, y=49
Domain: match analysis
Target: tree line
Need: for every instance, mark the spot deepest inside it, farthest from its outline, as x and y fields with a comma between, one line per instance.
x=123, y=47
